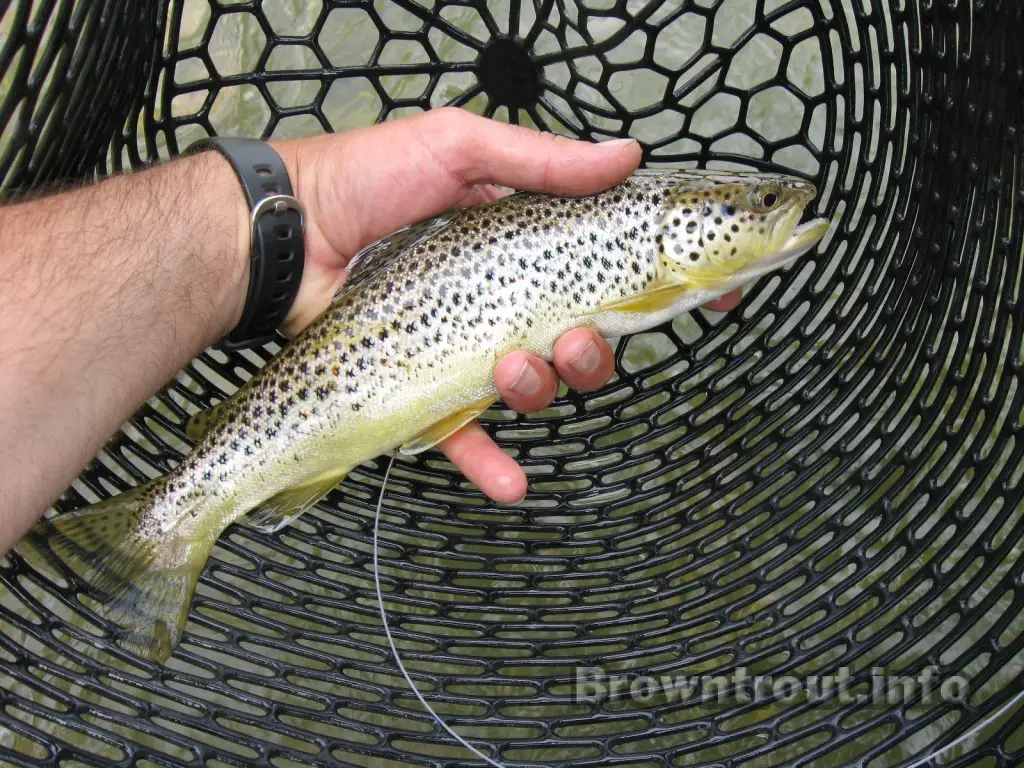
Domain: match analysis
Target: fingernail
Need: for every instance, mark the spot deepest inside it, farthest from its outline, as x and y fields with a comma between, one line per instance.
x=587, y=359
x=615, y=143
x=527, y=382
x=507, y=483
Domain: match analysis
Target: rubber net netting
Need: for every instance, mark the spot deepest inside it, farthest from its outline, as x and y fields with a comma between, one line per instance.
x=826, y=481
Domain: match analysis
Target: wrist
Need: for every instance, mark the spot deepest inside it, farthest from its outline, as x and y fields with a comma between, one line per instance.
x=276, y=224
x=303, y=158
x=226, y=213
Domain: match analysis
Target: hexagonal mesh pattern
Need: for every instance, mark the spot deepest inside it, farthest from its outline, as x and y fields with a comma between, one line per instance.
x=827, y=479
x=70, y=73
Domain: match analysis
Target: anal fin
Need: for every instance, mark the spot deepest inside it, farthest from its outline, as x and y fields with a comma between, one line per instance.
x=280, y=510
x=446, y=427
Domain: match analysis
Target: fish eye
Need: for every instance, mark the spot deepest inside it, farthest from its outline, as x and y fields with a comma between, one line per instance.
x=765, y=199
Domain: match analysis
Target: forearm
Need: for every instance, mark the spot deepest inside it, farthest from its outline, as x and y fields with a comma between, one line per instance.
x=107, y=292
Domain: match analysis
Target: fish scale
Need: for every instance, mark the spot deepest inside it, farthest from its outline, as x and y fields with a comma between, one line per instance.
x=406, y=353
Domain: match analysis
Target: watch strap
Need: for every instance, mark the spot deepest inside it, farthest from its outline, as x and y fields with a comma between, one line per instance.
x=277, y=244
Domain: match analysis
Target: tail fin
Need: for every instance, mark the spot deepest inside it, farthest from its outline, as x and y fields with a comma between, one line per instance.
x=147, y=581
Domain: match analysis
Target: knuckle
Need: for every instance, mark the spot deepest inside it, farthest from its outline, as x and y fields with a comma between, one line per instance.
x=449, y=119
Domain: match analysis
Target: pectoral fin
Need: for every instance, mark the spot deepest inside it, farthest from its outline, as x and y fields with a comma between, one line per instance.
x=278, y=511
x=446, y=427
x=652, y=300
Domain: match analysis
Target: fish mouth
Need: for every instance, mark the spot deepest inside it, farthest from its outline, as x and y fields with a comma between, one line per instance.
x=800, y=241
x=806, y=236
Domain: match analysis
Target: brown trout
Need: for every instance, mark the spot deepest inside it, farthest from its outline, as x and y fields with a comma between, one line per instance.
x=405, y=355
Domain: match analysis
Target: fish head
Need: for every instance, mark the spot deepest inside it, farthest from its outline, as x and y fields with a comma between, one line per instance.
x=724, y=227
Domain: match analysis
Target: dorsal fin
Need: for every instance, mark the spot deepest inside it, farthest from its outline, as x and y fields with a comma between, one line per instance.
x=375, y=257
x=199, y=424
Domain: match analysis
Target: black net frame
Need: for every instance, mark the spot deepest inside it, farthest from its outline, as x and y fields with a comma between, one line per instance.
x=828, y=477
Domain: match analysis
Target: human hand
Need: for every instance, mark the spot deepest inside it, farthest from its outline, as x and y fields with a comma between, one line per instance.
x=362, y=185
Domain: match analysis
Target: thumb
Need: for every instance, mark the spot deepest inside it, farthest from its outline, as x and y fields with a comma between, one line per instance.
x=476, y=150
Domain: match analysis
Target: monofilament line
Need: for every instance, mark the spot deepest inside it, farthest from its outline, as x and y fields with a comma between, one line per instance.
x=387, y=629
x=394, y=651
x=984, y=723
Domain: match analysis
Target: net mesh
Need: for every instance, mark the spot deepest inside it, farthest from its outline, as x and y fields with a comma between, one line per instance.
x=826, y=481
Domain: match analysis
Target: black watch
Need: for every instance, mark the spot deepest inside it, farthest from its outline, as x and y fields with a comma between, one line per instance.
x=277, y=251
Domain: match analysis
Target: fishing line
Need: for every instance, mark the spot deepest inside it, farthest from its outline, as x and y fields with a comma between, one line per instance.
x=394, y=651
x=987, y=721
x=387, y=629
